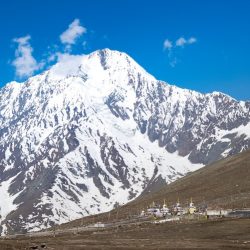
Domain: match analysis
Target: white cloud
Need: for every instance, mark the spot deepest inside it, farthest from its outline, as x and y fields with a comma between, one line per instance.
x=192, y=40
x=181, y=42
x=25, y=64
x=167, y=44
x=66, y=65
x=52, y=58
x=70, y=35
x=173, y=62
x=172, y=47
x=85, y=45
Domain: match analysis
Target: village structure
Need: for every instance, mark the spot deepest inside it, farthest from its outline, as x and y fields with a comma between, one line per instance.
x=178, y=211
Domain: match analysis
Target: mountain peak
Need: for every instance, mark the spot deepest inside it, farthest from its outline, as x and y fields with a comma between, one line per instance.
x=95, y=63
x=107, y=52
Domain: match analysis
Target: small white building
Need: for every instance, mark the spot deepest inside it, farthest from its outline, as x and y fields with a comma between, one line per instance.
x=99, y=224
x=178, y=210
x=165, y=210
x=192, y=207
x=213, y=212
x=218, y=212
x=142, y=213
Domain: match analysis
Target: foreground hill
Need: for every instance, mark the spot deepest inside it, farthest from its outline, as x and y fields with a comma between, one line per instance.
x=223, y=184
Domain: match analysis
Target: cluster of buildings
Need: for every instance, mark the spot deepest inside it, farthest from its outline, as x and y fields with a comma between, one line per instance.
x=158, y=211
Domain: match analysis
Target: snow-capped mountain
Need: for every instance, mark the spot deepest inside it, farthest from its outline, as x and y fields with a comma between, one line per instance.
x=95, y=130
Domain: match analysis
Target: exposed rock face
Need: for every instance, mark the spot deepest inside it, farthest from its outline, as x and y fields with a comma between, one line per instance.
x=96, y=130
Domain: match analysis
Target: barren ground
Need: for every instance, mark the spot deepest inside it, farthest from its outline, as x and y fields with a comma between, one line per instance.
x=211, y=234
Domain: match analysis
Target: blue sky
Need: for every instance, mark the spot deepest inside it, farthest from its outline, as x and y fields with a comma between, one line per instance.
x=207, y=43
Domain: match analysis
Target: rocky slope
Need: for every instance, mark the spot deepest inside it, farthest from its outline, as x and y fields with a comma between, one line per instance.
x=94, y=131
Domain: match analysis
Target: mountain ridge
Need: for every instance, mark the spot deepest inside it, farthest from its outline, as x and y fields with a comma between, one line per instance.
x=96, y=130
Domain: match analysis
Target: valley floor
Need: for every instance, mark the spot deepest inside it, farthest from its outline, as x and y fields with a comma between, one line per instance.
x=210, y=234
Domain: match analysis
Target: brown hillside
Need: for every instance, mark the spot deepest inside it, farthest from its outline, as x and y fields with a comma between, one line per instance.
x=224, y=184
